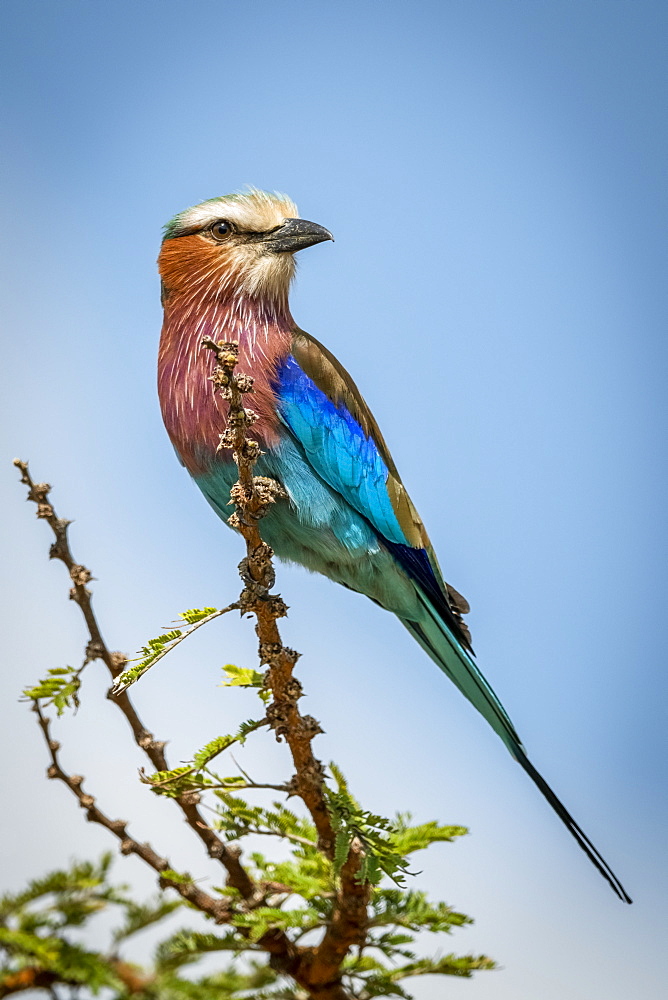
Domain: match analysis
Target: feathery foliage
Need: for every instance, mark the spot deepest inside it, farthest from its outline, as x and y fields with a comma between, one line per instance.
x=41, y=924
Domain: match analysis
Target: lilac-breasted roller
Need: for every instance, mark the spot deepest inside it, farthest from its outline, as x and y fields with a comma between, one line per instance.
x=226, y=267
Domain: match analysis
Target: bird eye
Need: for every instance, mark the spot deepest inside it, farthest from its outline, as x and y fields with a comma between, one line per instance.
x=221, y=230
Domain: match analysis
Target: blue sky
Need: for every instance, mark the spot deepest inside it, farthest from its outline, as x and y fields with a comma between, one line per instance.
x=494, y=175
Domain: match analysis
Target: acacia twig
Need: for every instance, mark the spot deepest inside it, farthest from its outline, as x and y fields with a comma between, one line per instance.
x=220, y=910
x=96, y=649
x=253, y=497
x=120, y=684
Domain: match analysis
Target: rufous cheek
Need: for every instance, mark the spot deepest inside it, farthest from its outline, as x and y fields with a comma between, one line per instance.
x=191, y=262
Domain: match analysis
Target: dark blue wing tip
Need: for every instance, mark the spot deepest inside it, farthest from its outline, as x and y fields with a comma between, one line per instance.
x=416, y=563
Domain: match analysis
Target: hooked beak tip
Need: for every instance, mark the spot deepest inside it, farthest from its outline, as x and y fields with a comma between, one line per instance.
x=297, y=234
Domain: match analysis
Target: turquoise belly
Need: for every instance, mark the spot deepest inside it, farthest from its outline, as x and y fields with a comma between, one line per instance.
x=317, y=528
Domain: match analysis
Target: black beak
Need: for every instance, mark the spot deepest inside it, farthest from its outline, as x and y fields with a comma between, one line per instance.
x=294, y=235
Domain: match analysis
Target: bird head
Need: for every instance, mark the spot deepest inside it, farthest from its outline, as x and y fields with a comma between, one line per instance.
x=235, y=246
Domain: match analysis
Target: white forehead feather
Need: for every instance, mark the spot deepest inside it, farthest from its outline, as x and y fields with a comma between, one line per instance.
x=256, y=211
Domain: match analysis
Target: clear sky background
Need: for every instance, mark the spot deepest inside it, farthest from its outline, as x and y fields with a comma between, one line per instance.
x=494, y=175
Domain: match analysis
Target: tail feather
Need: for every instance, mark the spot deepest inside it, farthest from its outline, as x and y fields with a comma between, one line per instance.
x=576, y=831
x=439, y=643
x=435, y=637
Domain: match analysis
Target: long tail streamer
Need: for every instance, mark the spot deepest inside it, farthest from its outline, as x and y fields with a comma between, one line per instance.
x=437, y=640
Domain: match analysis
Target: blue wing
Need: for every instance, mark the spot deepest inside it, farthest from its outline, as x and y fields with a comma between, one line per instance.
x=337, y=448
x=321, y=406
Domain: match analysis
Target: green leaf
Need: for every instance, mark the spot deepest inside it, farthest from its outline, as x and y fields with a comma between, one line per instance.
x=246, y=677
x=408, y=839
x=265, y=918
x=344, y=839
x=374, y=833
x=59, y=688
x=242, y=676
x=413, y=910
x=197, y=614
x=176, y=782
x=236, y=818
x=341, y=783
x=186, y=946
x=215, y=747
x=180, y=878
x=156, y=648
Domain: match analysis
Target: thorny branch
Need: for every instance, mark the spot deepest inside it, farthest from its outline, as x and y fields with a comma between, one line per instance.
x=220, y=910
x=253, y=497
x=317, y=969
x=97, y=649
